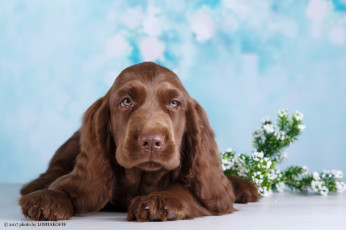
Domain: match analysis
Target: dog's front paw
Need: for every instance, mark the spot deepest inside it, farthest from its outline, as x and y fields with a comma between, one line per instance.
x=46, y=205
x=155, y=207
x=244, y=190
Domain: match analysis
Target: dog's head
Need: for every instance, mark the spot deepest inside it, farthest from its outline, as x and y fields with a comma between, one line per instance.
x=147, y=117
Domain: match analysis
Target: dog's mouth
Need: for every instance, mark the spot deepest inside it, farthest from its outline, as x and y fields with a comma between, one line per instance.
x=150, y=166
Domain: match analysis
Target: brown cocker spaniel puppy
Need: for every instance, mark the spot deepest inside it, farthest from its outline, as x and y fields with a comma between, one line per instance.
x=146, y=147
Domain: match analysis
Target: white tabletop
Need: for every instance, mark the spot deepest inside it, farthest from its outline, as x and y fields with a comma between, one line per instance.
x=288, y=210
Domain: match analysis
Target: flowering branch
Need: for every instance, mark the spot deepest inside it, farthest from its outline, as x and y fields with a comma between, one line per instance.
x=261, y=168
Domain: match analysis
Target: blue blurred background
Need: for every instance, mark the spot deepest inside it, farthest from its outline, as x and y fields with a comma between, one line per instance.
x=241, y=59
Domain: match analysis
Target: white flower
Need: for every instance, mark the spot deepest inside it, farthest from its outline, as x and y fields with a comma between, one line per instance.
x=340, y=186
x=324, y=191
x=316, y=176
x=265, y=119
x=305, y=170
x=269, y=163
x=224, y=161
x=243, y=172
x=280, y=135
x=337, y=174
x=257, y=181
x=238, y=159
x=257, y=134
x=229, y=150
x=265, y=192
x=272, y=175
x=282, y=157
x=226, y=164
x=316, y=185
x=326, y=173
x=299, y=116
x=257, y=156
x=268, y=128
x=283, y=112
x=301, y=127
x=280, y=186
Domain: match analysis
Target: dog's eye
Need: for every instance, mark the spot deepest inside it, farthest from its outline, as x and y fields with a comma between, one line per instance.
x=174, y=104
x=126, y=104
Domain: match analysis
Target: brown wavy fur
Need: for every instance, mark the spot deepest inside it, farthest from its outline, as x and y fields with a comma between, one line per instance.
x=104, y=163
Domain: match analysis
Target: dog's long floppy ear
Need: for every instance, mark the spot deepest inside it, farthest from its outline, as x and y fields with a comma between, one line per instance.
x=96, y=133
x=90, y=183
x=201, y=164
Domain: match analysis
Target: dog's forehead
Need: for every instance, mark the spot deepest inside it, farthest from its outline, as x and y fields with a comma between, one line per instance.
x=148, y=73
